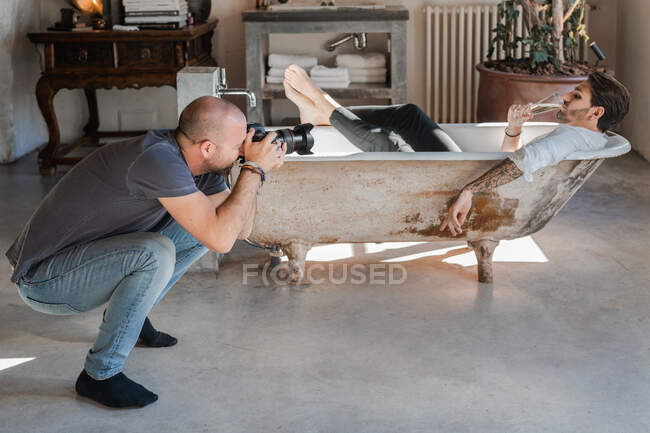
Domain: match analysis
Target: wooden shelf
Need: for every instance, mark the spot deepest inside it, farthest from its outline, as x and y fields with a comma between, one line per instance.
x=355, y=91
x=259, y=24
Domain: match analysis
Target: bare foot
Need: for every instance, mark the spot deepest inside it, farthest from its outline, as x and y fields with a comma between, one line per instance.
x=299, y=80
x=308, y=111
x=322, y=105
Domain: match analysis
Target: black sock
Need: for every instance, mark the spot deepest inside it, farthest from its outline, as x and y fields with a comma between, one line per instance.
x=152, y=338
x=116, y=391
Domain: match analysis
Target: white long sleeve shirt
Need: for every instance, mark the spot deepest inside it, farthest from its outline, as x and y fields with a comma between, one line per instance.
x=551, y=148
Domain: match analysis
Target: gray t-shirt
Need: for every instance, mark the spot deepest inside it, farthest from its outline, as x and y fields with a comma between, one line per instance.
x=112, y=191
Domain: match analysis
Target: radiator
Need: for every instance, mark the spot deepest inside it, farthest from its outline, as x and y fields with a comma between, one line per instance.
x=457, y=39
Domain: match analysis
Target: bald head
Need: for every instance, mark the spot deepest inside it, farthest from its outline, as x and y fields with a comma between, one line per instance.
x=209, y=118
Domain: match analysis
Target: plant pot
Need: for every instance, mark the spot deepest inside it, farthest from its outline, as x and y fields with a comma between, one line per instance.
x=497, y=91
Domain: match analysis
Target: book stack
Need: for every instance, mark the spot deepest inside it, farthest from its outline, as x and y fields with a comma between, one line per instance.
x=155, y=14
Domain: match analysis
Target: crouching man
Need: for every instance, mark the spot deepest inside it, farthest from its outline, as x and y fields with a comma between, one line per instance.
x=592, y=108
x=123, y=225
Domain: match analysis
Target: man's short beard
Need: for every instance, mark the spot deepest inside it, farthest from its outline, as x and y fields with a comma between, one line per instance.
x=563, y=116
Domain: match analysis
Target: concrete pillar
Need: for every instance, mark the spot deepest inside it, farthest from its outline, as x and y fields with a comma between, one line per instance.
x=193, y=82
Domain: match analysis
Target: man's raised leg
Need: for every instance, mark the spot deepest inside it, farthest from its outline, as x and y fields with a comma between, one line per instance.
x=318, y=108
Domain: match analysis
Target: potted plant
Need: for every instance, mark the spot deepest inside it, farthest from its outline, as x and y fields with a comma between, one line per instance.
x=549, y=61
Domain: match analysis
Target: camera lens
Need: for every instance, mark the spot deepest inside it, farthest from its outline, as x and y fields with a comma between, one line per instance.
x=298, y=139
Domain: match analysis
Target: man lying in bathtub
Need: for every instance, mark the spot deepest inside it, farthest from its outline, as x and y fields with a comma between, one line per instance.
x=593, y=107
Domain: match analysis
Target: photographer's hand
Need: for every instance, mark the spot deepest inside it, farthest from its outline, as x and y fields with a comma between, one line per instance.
x=265, y=153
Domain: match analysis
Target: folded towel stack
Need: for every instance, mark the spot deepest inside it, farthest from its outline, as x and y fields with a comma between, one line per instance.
x=278, y=62
x=330, y=78
x=364, y=68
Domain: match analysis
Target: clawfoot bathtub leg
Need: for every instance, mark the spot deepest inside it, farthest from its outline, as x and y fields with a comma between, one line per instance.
x=484, y=249
x=276, y=256
x=296, y=253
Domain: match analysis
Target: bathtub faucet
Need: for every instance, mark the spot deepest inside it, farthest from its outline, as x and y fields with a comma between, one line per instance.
x=222, y=89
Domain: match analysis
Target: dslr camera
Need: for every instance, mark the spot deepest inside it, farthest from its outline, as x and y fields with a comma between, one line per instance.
x=298, y=139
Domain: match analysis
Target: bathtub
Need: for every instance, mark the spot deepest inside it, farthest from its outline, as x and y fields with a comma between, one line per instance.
x=340, y=194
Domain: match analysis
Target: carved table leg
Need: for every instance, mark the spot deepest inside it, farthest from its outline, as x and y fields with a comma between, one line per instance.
x=45, y=97
x=93, y=115
x=296, y=253
x=484, y=249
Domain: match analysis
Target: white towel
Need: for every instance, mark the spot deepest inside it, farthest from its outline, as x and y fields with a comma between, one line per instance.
x=368, y=75
x=284, y=60
x=368, y=60
x=364, y=79
x=272, y=79
x=369, y=72
x=279, y=72
x=329, y=73
x=276, y=72
x=331, y=84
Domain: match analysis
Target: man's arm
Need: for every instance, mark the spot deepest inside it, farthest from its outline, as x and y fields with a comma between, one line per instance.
x=217, y=229
x=517, y=115
x=504, y=172
x=248, y=226
x=219, y=198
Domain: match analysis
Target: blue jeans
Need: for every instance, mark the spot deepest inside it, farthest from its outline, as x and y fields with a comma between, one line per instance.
x=130, y=272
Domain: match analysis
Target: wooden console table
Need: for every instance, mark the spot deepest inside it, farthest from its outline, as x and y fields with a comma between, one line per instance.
x=105, y=59
x=259, y=24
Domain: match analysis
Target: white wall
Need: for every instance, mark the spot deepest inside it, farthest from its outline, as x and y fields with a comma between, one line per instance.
x=21, y=125
x=632, y=68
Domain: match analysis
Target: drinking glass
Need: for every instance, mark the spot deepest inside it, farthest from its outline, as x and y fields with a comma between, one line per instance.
x=552, y=102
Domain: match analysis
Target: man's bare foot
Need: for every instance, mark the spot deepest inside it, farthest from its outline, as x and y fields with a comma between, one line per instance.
x=296, y=78
x=308, y=111
x=299, y=80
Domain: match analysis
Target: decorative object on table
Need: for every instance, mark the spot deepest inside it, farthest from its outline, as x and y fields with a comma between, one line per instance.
x=90, y=8
x=72, y=21
x=156, y=14
x=121, y=28
x=113, y=12
x=549, y=60
x=364, y=68
x=85, y=16
x=200, y=9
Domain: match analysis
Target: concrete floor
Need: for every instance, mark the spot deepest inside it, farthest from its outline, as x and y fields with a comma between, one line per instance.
x=561, y=346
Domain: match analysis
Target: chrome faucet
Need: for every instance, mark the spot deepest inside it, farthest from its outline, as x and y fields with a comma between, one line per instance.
x=360, y=41
x=222, y=89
